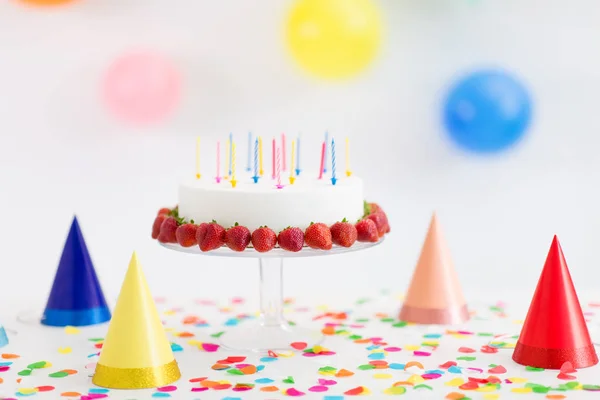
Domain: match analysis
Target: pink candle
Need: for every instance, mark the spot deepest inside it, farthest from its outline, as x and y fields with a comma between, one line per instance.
x=273, y=170
x=218, y=177
x=279, y=185
x=322, y=161
x=284, y=165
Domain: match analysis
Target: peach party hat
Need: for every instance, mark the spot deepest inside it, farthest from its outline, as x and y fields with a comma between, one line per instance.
x=434, y=296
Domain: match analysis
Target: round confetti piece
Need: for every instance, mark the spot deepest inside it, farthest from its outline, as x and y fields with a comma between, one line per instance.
x=59, y=374
x=8, y=356
x=64, y=350
x=299, y=345
x=395, y=390
x=269, y=389
x=170, y=388
x=45, y=388
x=318, y=388
x=27, y=391
x=355, y=391
x=327, y=382
x=70, y=394
x=382, y=376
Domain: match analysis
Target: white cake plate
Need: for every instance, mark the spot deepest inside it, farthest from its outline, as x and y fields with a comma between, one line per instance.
x=271, y=331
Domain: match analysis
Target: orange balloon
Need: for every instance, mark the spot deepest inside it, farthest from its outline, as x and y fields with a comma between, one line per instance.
x=45, y=3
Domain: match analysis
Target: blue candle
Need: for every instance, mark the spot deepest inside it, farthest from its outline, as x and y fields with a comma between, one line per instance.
x=255, y=177
x=230, y=151
x=333, y=177
x=298, y=156
x=249, y=166
x=326, y=151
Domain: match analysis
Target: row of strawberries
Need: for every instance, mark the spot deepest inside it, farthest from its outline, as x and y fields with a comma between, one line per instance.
x=168, y=228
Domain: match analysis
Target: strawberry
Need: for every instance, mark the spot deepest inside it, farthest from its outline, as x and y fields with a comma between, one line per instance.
x=291, y=239
x=366, y=231
x=156, y=225
x=343, y=233
x=164, y=210
x=318, y=236
x=264, y=239
x=381, y=222
x=210, y=236
x=167, y=231
x=237, y=237
x=186, y=235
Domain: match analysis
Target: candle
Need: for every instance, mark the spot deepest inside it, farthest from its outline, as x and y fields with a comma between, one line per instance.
x=292, y=178
x=198, y=158
x=284, y=165
x=273, y=150
x=218, y=177
x=333, y=177
x=249, y=166
x=260, y=157
x=227, y=146
x=255, y=177
x=279, y=185
x=233, y=181
x=230, y=152
x=322, y=160
x=348, y=171
x=298, y=170
x=326, y=151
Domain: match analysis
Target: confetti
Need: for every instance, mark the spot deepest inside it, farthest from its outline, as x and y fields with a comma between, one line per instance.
x=71, y=330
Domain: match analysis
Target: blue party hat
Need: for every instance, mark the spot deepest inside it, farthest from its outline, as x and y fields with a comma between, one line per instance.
x=3, y=337
x=76, y=298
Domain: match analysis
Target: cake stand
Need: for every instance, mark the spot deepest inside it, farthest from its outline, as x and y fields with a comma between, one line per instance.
x=270, y=331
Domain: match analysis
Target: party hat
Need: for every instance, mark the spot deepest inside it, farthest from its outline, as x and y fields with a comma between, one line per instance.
x=434, y=296
x=76, y=297
x=3, y=337
x=136, y=353
x=554, y=331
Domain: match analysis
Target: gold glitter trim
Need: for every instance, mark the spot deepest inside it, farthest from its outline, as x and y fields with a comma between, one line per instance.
x=136, y=378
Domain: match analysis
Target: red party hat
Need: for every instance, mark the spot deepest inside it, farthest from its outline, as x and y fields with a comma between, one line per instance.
x=555, y=331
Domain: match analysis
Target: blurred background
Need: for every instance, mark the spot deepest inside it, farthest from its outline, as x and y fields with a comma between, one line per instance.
x=101, y=101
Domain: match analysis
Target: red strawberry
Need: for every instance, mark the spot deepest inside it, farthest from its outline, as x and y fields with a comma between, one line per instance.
x=186, y=235
x=156, y=225
x=167, y=231
x=210, y=236
x=164, y=211
x=291, y=239
x=373, y=208
x=381, y=222
x=264, y=239
x=318, y=236
x=343, y=233
x=366, y=231
x=237, y=237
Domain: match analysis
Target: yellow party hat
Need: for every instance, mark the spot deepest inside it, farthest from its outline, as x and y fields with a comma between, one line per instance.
x=136, y=353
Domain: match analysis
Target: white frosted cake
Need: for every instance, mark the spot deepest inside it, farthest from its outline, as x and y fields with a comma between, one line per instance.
x=262, y=204
x=286, y=209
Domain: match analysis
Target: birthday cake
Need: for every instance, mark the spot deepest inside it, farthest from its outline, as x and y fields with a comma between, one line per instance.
x=264, y=212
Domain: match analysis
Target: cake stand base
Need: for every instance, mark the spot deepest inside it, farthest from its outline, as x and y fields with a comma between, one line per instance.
x=270, y=331
x=259, y=338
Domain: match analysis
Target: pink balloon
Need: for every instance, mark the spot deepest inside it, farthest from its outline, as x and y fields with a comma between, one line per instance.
x=142, y=87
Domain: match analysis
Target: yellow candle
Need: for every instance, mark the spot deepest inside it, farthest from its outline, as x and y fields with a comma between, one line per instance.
x=348, y=171
x=292, y=164
x=233, y=181
x=198, y=158
x=260, y=157
x=226, y=160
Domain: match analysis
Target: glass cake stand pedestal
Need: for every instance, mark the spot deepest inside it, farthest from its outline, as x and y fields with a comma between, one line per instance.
x=270, y=331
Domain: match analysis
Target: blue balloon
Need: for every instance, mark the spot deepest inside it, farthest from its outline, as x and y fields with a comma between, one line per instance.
x=487, y=111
